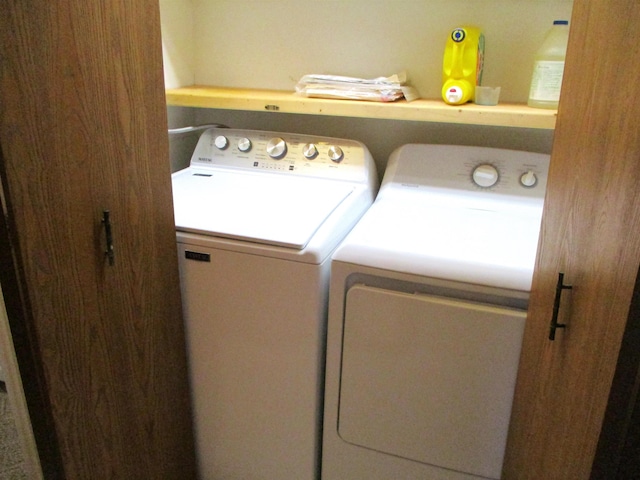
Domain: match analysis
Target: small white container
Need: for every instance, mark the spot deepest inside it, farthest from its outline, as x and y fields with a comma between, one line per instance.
x=487, y=95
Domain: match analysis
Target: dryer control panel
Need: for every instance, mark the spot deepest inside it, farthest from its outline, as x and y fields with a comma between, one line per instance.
x=480, y=173
x=286, y=153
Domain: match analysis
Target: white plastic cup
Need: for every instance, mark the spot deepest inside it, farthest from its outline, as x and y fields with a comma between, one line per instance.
x=487, y=95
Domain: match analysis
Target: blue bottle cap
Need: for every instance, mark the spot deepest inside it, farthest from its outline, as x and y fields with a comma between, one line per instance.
x=561, y=22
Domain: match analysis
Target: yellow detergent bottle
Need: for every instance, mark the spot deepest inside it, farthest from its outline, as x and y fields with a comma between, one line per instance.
x=462, y=65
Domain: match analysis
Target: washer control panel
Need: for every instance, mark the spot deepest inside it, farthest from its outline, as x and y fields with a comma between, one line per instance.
x=287, y=153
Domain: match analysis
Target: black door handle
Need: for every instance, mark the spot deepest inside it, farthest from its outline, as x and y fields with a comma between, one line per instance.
x=560, y=286
x=107, y=230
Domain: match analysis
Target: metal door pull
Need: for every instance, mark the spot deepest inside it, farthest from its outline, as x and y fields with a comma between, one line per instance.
x=107, y=229
x=560, y=286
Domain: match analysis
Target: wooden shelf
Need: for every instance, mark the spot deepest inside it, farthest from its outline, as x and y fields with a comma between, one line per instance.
x=503, y=115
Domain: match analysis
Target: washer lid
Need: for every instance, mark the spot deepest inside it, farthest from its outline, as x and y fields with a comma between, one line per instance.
x=258, y=207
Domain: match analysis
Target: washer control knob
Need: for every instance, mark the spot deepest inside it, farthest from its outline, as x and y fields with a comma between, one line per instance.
x=485, y=175
x=244, y=144
x=276, y=148
x=528, y=179
x=335, y=154
x=310, y=151
x=221, y=142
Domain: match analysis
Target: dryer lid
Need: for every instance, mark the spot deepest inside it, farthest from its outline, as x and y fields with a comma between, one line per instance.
x=257, y=207
x=475, y=246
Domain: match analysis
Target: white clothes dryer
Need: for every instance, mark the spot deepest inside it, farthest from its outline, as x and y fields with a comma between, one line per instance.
x=427, y=308
x=257, y=216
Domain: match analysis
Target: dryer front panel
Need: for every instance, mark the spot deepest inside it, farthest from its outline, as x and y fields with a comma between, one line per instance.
x=429, y=379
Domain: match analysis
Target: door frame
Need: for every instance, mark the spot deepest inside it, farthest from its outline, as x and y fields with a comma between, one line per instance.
x=25, y=345
x=620, y=434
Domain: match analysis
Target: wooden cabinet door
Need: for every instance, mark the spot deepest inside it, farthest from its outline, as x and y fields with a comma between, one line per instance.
x=83, y=129
x=591, y=232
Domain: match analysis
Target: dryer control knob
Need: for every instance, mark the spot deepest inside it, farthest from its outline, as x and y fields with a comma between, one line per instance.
x=276, y=148
x=528, y=179
x=221, y=142
x=310, y=151
x=335, y=153
x=244, y=144
x=485, y=175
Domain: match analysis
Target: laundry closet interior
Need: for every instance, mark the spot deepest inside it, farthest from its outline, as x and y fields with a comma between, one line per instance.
x=236, y=64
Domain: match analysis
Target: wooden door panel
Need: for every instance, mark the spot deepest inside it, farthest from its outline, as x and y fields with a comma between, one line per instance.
x=590, y=232
x=83, y=129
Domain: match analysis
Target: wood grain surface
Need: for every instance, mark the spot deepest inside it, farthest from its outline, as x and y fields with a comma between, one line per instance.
x=83, y=129
x=590, y=232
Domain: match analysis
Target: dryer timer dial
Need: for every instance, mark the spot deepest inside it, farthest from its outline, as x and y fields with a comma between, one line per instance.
x=485, y=175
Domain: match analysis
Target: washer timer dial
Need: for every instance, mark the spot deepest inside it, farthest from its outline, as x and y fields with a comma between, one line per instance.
x=244, y=144
x=276, y=147
x=221, y=142
x=485, y=175
x=335, y=153
x=310, y=151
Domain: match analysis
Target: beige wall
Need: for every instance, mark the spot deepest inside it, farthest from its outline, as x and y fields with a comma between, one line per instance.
x=272, y=43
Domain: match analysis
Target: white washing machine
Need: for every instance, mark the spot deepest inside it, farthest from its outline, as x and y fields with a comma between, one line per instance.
x=427, y=308
x=257, y=216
